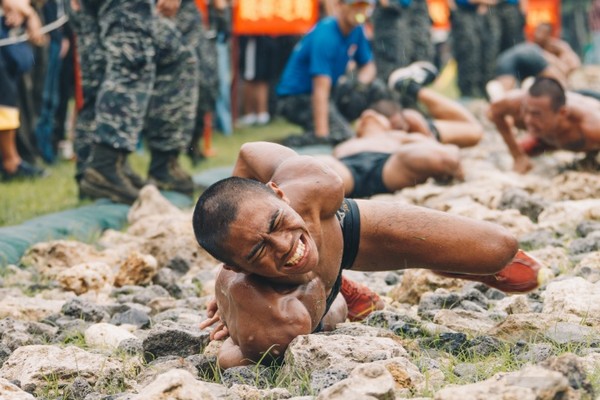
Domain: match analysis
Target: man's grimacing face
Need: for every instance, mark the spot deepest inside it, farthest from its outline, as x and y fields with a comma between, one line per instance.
x=270, y=239
x=539, y=117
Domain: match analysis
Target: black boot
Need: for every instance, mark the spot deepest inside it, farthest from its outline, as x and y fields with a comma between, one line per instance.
x=137, y=181
x=166, y=173
x=104, y=176
x=193, y=151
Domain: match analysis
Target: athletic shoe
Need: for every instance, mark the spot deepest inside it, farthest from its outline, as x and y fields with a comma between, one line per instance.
x=421, y=72
x=361, y=300
x=247, y=120
x=263, y=118
x=522, y=275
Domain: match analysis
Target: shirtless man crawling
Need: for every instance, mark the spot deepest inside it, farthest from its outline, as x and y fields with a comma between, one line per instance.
x=383, y=160
x=284, y=232
x=552, y=118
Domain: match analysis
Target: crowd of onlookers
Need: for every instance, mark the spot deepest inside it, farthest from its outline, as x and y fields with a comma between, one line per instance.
x=115, y=72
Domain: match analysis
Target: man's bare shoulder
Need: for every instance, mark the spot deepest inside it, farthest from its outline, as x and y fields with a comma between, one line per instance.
x=510, y=104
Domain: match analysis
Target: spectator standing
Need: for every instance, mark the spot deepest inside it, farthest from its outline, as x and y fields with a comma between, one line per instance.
x=475, y=43
x=512, y=17
x=14, y=13
x=148, y=83
x=190, y=22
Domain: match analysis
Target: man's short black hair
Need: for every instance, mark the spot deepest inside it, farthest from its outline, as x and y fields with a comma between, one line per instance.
x=218, y=207
x=385, y=107
x=550, y=87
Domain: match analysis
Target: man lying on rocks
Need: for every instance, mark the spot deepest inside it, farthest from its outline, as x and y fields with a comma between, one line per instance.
x=382, y=160
x=552, y=118
x=285, y=233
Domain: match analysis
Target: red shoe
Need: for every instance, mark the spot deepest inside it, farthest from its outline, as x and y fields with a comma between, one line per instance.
x=361, y=300
x=522, y=275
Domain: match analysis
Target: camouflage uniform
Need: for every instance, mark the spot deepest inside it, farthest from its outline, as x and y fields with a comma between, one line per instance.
x=512, y=25
x=136, y=73
x=391, y=50
x=392, y=25
x=189, y=23
x=417, y=17
x=475, y=43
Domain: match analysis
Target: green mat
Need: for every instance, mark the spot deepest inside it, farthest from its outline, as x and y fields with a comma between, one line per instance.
x=82, y=223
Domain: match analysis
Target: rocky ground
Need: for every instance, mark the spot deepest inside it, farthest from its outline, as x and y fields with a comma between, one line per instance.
x=119, y=319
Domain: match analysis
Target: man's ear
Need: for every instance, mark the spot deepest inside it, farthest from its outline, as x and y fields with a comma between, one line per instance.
x=231, y=268
x=273, y=186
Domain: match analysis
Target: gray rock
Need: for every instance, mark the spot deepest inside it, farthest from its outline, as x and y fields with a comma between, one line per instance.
x=133, y=316
x=385, y=319
x=167, y=278
x=173, y=314
x=368, y=381
x=586, y=227
x=494, y=294
x=144, y=296
x=131, y=346
x=79, y=389
x=486, y=345
x=584, y=245
x=571, y=367
x=71, y=329
x=322, y=379
x=567, y=332
x=474, y=295
x=535, y=353
x=5, y=352
x=170, y=338
x=431, y=302
x=85, y=310
x=205, y=365
x=162, y=365
x=467, y=371
x=469, y=305
x=15, y=333
x=527, y=204
x=178, y=265
x=454, y=343
x=539, y=239
x=254, y=375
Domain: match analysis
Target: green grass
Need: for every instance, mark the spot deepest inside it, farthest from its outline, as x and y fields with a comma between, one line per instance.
x=23, y=200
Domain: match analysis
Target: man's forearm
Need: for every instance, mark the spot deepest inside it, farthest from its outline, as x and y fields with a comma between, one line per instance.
x=320, y=105
x=366, y=74
x=260, y=160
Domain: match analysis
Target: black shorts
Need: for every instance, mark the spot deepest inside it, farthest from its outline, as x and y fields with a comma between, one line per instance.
x=367, y=171
x=256, y=58
x=349, y=218
x=521, y=61
x=434, y=130
x=589, y=93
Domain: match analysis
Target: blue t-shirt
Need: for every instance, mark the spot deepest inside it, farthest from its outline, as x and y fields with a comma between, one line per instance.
x=323, y=51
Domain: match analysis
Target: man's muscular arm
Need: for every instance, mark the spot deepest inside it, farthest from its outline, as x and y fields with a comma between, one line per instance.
x=261, y=321
x=320, y=104
x=500, y=113
x=304, y=179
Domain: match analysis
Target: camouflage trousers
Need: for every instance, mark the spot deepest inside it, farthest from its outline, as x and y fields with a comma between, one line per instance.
x=297, y=109
x=401, y=35
x=189, y=23
x=512, y=25
x=475, y=44
x=137, y=77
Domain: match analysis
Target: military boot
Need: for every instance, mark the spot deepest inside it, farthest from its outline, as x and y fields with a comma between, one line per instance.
x=166, y=173
x=137, y=181
x=104, y=177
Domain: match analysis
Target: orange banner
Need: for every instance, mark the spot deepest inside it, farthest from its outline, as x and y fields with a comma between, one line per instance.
x=274, y=17
x=439, y=13
x=540, y=11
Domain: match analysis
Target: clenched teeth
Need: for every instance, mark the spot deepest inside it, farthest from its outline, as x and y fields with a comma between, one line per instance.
x=297, y=254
